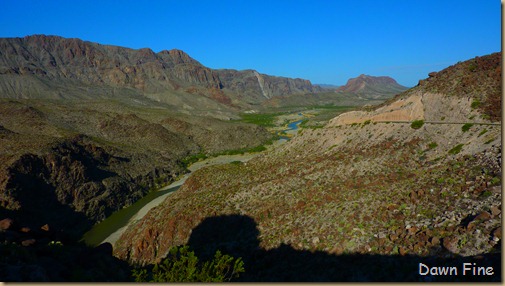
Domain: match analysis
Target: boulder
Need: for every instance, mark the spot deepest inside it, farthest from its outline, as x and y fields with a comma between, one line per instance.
x=6, y=224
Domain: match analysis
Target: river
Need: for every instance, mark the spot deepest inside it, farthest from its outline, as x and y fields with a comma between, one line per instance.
x=110, y=229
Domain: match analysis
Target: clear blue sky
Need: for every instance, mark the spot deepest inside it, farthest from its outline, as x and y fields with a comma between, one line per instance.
x=325, y=41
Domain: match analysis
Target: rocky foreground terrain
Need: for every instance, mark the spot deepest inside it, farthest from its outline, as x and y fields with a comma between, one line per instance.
x=365, y=198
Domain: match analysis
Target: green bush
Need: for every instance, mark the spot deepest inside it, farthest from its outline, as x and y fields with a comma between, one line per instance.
x=416, y=124
x=432, y=145
x=495, y=181
x=472, y=67
x=466, y=127
x=193, y=159
x=456, y=149
x=475, y=104
x=182, y=265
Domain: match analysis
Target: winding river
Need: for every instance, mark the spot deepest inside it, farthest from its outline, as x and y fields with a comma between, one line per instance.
x=110, y=229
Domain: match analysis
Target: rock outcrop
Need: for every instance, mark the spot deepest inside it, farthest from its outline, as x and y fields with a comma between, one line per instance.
x=73, y=185
x=255, y=86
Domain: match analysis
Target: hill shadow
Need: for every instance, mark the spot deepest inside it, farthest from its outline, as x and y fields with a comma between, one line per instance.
x=237, y=235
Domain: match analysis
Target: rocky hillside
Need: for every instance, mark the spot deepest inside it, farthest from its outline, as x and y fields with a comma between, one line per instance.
x=372, y=87
x=254, y=86
x=54, y=67
x=71, y=163
x=86, y=129
x=418, y=179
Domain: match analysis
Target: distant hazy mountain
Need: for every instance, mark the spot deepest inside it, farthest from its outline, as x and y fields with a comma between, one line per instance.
x=373, y=87
x=327, y=86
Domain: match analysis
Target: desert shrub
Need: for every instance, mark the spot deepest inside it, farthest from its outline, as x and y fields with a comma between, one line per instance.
x=495, y=181
x=416, y=124
x=472, y=67
x=466, y=127
x=432, y=145
x=475, y=104
x=182, y=265
x=485, y=194
x=303, y=124
x=456, y=149
x=193, y=159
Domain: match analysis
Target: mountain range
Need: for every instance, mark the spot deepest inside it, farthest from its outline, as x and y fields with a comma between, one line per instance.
x=54, y=67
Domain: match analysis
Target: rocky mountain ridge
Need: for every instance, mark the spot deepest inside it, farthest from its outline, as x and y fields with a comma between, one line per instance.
x=42, y=66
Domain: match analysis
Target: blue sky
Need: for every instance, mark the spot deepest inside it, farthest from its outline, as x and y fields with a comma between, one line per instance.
x=323, y=41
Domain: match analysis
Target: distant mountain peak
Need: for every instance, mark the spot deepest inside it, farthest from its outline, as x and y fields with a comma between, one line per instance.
x=372, y=86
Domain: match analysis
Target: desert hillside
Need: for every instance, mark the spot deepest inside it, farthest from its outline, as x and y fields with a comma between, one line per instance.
x=419, y=176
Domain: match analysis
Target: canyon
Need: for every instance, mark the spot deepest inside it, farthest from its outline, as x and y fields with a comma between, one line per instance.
x=377, y=175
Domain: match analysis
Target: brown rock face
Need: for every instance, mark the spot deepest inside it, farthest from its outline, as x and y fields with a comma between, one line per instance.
x=451, y=244
x=260, y=86
x=71, y=187
x=479, y=78
x=497, y=233
x=6, y=224
x=50, y=66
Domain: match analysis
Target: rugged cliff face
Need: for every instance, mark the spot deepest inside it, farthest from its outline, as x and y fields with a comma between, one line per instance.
x=355, y=186
x=54, y=67
x=254, y=86
x=75, y=183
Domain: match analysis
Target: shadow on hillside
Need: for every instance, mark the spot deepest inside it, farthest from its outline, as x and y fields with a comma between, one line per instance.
x=40, y=206
x=237, y=235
